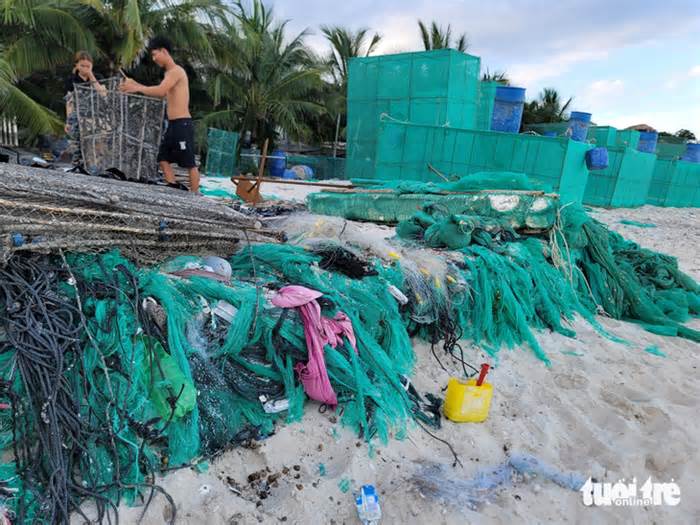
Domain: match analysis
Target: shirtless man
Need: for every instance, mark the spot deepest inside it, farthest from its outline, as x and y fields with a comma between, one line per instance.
x=178, y=142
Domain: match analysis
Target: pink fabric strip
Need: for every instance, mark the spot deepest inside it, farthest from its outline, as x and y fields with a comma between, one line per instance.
x=318, y=331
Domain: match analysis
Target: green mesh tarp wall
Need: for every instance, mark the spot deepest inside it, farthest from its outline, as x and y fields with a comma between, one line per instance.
x=432, y=87
x=671, y=147
x=486, y=96
x=556, y=127
x=405, y=151
x=324, y=167
x=627, y=137
x=519, y=210
x=221, y=152
x=675, y=183
x=624, y=183
x=602, y=136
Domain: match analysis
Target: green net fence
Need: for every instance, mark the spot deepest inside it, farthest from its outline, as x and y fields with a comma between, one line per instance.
x=558, y=129
x=325, y=168
x=675, y=183
x=434, y=87
x=627, y=137
x=222, y=152
x=624, y=183
x=486, y=97
x=670, y=147
x=391, y=202
x=602, y=136
x=409, y=151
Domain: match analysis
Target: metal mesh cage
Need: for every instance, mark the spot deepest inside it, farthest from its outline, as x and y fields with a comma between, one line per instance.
x=222, y=147
x=119, y=130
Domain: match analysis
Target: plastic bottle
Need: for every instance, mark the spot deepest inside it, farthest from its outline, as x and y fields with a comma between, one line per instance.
x=367, y=503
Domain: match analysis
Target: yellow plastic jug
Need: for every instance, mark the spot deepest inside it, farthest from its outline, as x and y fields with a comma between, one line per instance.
x=468, y=401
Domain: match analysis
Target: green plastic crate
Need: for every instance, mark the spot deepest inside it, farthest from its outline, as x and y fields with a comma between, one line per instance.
x=602, y=136
x=221, y=152
x=405, y=150
x=675, y=183
x=624, y=183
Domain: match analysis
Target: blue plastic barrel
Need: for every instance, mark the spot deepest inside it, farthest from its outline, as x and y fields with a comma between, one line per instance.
x=597, y=158
x=692, y=154
x=508, y=109
x=277, y=165
x=289, y=174
x=303, y=172
x=579, y=122
x=647, y=141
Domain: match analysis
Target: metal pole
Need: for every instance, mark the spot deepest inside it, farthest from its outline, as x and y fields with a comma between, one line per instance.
x=337, y=131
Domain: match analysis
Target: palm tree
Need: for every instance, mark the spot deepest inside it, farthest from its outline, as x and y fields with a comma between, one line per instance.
x=547, y=108
x=551, y=107
x=122, y=27
x=15, y=103
x=346, y=44
x=263, y=81
x=36, y=35
x=501, y=77
x=439, y=38
x=40, y=34
x=38, y=39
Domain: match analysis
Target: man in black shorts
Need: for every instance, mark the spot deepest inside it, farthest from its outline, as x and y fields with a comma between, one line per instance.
x=178, y=142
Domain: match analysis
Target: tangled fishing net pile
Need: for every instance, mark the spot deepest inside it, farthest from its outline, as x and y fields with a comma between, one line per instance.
x=113, y=371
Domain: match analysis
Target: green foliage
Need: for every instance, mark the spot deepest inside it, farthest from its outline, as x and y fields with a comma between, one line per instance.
x=436, y=37
x=261, y=79
x=685, y=134
x=500, y=77
x=548, y=107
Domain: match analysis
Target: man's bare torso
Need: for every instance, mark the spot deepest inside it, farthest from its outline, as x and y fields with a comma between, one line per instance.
x=179, y=95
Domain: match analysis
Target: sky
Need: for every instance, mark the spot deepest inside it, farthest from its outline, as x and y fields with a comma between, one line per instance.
x=627, y=62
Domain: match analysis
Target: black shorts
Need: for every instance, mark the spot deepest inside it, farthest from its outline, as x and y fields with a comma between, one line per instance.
x=178, y=143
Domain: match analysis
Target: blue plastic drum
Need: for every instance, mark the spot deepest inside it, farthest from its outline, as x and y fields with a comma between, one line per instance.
x=647, y=141
x=508, y=109
x=578, y=125
x=276, y=165
x=597, y=158
x=692, y=154
x=303, y=172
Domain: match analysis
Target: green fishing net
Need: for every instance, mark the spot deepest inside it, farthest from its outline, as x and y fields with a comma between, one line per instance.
x=174, y=380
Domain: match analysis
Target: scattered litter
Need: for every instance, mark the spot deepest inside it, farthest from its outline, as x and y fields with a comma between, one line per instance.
x=225, y=311
x=469, y=401
x=274, y=406
x=654, y=350
x=367, y=503
x=439, y=481
x=630, y=222
x=344, y=485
